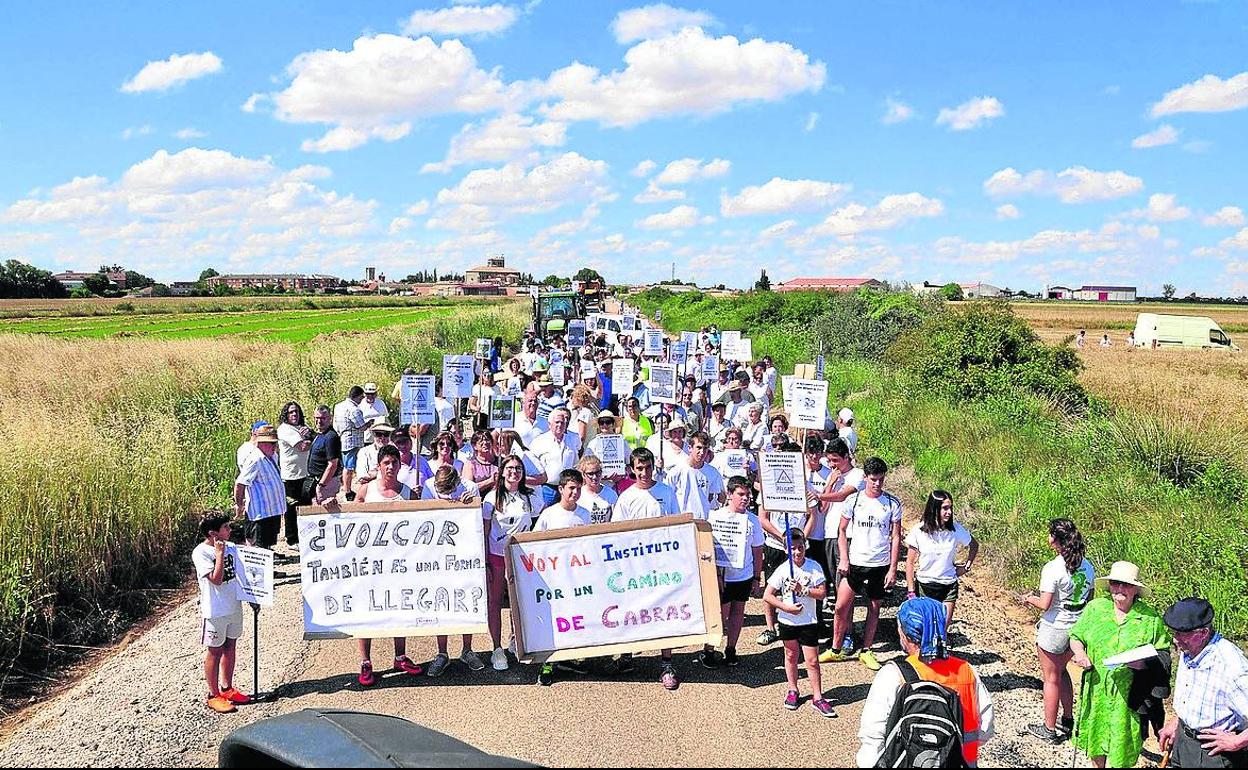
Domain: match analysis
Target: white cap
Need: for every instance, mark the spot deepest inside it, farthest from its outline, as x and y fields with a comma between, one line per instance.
x=370, y=387
x=846, y=415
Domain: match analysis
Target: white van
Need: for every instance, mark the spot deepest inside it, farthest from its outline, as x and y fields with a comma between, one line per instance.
x=1181, y=331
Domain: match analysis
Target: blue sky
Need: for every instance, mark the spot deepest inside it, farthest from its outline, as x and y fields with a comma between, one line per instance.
x=1016, y=143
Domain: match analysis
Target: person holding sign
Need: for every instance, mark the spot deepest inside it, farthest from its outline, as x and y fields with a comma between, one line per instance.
x=413, y=468
x=737, y=584
x=221, y=610
x=510, y=510
x=731, y=460
x=610, y=447
x=792, y=591
x=775, y=551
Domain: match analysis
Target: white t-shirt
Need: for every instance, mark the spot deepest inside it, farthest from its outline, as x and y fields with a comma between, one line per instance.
x=556, y=517
x=427, y=492
x=528, y=430
x=872, y=522
x=753, y=539
x=694, y=487
x=373, y=493
x=555, y=457
x=599, y=504
x=817, y=482
x=294, y=463
x=408, y=472
x=853, y=478
x=636, y=503
x=753, y=435
x=375, y=411
x=808, y=575
x=1070, y=592
x=850, y=435
x=671, y=457
x=515, y=517
x=215, y=601
x=936, y=553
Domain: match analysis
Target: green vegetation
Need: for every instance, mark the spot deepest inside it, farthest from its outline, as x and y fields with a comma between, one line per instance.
x=976, y=405
x=95, y=306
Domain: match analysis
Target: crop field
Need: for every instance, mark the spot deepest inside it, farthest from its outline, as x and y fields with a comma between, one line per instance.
x=128, y=306
x=1053, y=320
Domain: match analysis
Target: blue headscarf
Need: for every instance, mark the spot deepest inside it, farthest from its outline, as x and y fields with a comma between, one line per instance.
x=923, y=621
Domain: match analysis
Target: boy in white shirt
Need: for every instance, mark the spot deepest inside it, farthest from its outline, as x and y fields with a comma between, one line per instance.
x=699, y=487
x=221, y=610
x=738, y=585
x=562, y=515
x=793, y=589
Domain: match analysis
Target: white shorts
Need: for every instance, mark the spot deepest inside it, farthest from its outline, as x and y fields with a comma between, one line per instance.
x=218, y=630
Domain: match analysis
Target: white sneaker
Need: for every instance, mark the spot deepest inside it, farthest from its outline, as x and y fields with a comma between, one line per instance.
x=499, y=660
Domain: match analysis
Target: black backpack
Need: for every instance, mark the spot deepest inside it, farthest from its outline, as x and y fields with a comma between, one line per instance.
x=925, y=726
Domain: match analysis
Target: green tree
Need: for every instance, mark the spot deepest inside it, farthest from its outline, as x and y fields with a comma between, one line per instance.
x=207, y=273
x=586, y=274
x=1167, y=291
x=952, y=292
x=136, y=280
x=99, y=284
x=763, y=283
x=161, y=290
x=552, y=280
x=19, y=280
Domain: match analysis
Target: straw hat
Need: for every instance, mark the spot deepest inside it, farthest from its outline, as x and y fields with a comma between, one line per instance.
x=1123, y=572
x=382, y=427
x=266, y=435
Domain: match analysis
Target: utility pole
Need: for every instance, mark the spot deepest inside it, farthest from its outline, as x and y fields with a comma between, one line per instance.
x=673, y=272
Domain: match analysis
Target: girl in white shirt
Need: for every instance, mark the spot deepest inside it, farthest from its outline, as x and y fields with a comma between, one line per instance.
x=510, y=510
x=931, y=569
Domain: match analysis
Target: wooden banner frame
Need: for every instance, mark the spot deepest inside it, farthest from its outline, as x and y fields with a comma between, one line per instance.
x=708, y=577
x=396, y=506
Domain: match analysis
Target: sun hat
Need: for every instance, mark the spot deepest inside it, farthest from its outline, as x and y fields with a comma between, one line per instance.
x=676, y=424
x=545, y=380
x=846, y=414
x=382, y=427
x=1123, y=572
x=266, y=435
x=606, y=414
x=370, y=388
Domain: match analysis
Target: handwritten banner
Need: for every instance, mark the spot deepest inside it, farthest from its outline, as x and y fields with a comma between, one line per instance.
x=392, y=569
x=253, y=573
x=641, y=585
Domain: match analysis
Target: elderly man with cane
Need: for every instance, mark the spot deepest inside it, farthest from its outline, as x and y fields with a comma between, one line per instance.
x=1210, y=727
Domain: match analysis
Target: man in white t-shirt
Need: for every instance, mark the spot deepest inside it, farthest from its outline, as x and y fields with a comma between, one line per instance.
x=596, y=497
x=699, y=488
x=350, y=424
x=556, y=452
x=567, y=512
x=869, y=564
x=844, y=481
x=374, y=409
x=220, y=609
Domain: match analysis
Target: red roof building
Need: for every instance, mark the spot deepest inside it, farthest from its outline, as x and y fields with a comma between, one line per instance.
x=830, y=284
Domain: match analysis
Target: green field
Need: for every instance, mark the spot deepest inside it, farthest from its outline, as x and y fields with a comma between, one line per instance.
x=293, y=326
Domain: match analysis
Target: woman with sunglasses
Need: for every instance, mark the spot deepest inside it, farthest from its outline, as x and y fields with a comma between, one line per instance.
x=445, y=447
x=484, y=463
x=509, y=510
x=294, y=442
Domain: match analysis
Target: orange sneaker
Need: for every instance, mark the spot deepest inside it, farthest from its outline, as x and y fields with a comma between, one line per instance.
x=221, y=704
x=235, y=697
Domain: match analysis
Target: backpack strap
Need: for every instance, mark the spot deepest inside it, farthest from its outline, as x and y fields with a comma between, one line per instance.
x=908, y=672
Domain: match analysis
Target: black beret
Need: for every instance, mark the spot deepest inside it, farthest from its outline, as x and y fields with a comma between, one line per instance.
x=1189, y=615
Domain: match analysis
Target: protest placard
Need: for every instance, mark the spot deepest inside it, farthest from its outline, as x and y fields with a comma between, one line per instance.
x=588, y=370
x=406, y=568
x=736, y=461
x=730, y=533
x=710, y=368
x=483, y=347
x=613, y=588
x=658, y=316
x=663, y=383
x=556, y=355
x=820, y=368
x=457, y=374
x=784, y=483
x=502, y=411
x=745, y=349
x=678, y=352
x=416, y=392
x=534, y=291
x=622, y=376
x=611, y=450
x=253, y=575
x=786, y=384
x=810, y=403
x=728, y=345
x=654, y=343
x=628, y=323
x=691, y=341
x=576, y=334
x=557, y=373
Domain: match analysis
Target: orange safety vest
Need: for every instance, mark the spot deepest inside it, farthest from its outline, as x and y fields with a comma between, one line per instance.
x=957, y=675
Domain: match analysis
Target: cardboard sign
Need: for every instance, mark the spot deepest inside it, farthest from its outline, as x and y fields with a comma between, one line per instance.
x=710, y=369
x=610, y=449
x=576, y=334
x=783, y=480
x=502, y=412
x=728, y=345
x=418, y=400
x=253, y=575
x=622, y=374
x=457, y=374
x=392, y=569
x=663, y=383
x=629, y=323
x=654, y=343
x=678, y=353
x=820, y=368
x=483, y=347
x=557, y=373
x=730, y=534
x=613, y=588
x=810, y=404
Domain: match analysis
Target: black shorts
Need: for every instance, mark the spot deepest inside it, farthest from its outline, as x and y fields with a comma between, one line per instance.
x=262, y=532
x=806, y=636
x=868, y=581
x=737, y=591
x=941, y=592
x=772, y=559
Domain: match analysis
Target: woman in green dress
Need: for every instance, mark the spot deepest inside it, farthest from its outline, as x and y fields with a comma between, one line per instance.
x=1108, y=728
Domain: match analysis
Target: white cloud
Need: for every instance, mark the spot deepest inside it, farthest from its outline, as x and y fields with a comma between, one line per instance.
x=1165, y=134
x=398, y=225
x=1008, y=211
x=1227, y=216
x=1208, y=94
x=688, y=73
x=1074, y=185
x=1111, y=238
x=655, y=194
x=1237, y=242
x=679, y=218
x=461, y=20
x=780, y=196
x=174, y=71
x=134, y=131
x=345, y=138
x=970, y=114
x=253, y=102
x=563, y=180
x=194, y=169
x=778, y=230
x=644, y=168
x=1161, y=208
x=187, y=134
x=688, y=170
x=812, y=120
x=891, y=212
x=654, y=21
x=381, y=84
x=417, y=209
x=896, y=112
x=507, y=138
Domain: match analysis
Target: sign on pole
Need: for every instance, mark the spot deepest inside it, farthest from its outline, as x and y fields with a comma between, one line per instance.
x=610, y=449
x=629, y=323
x=253, y=572
x=783, y=481
x=654, y=343
x=576, y=334
x=810, y=404
x=745, y=349
x=588, y=370
x=457, y=373
x=820, y=368
x=502, y=411
x=736, y=462
x=418, y=400
x=786, y=384
x=614, y=588
x=663, y=383
x=678, y=353
x=691, y=341
x=483, y=347
x=728, y=345
x=392, y=569
x=710, y=368
x=557, y=373
x=622, y=374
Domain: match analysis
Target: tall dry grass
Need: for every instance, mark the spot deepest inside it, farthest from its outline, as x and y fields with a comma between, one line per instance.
x=114, y=446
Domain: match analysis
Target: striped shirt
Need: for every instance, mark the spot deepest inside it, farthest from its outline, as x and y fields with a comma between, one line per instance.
x=266, y=493
x=1211, y=690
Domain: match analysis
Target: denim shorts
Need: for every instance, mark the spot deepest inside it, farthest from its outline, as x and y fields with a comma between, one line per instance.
x=349, y=457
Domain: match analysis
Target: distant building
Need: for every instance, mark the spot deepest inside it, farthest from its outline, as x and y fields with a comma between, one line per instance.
x=370, y=274
x=494, y=271
x=981, y=291
x=1059, y=292
x=830, y=284
x=284, y=281
x=1106, y=293
x=71, y=279
x=183, y=288
x=456, y=289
